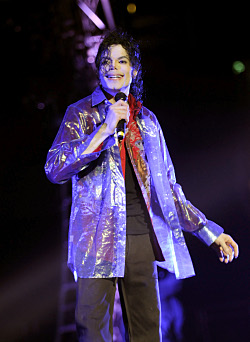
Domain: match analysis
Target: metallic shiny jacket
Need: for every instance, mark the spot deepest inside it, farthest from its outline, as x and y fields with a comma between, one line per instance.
x=97, y=228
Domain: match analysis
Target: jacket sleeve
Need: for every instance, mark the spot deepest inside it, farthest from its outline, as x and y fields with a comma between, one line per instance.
x=66, y=157
x=191, y=219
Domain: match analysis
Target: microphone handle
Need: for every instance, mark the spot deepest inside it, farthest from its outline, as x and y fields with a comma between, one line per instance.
x=120, y=128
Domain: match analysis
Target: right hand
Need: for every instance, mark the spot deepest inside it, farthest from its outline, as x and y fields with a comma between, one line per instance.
x=116, y=112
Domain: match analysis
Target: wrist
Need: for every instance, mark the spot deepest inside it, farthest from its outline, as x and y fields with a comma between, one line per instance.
x=105, y=131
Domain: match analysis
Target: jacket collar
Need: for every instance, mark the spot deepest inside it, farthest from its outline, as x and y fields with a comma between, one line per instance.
x=97, y=96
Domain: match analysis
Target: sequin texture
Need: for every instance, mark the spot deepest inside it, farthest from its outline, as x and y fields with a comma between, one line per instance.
x=97, y=227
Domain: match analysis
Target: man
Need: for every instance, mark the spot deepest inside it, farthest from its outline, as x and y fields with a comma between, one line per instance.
x=128, y=212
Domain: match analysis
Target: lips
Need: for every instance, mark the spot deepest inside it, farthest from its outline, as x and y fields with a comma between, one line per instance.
x=114, y=77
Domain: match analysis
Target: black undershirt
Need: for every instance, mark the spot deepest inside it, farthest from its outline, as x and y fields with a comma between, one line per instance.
x=138, y=220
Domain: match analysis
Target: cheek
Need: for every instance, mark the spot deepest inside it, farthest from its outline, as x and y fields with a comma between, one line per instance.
x=130, y=77
x=101, y=75
x=101, y=71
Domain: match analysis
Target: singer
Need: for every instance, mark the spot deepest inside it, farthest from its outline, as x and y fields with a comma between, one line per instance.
x=128, y=213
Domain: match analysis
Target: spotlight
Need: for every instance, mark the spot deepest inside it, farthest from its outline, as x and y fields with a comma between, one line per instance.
x=238, y=67
x=131, y=8
x=40, y=105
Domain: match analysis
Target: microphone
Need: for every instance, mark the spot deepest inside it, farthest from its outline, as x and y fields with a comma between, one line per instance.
x=121, y=126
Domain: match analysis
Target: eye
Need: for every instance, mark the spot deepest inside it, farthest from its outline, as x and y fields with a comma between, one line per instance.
x=123, y=61
x=105, y=61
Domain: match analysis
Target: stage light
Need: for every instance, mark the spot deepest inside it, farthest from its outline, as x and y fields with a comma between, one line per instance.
x=40, y=105
x=91, y=59
x=238, y=67
x=131, y=8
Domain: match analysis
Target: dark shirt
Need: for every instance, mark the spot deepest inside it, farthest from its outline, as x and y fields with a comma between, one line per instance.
x=138, y=220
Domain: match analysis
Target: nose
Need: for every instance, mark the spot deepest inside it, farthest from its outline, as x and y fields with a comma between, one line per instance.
x=113, y=65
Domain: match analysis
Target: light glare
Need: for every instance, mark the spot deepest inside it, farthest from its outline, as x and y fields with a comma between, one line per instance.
x=238, y=67
x=131, y=8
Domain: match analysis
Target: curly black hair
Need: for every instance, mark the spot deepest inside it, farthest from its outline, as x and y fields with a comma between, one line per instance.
x=119, y=37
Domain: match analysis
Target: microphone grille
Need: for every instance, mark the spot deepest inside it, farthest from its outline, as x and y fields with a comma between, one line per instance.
x=120, y=96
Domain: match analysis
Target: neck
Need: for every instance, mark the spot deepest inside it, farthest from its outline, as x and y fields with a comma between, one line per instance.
x=110, y=94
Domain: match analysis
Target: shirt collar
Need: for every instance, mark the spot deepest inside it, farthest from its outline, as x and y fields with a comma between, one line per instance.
x=98, y=96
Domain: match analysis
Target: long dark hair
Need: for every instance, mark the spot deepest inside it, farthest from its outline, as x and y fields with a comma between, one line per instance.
x=119, y=37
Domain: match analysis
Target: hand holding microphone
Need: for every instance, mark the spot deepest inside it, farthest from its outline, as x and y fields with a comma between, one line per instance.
x=121, y=126
x=118, y=114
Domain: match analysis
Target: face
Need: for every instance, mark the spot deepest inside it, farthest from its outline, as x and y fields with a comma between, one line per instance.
x=115, y=71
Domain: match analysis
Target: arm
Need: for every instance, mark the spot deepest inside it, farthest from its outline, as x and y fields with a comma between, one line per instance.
x=208, y=231
x=116, y=112
x=68, y=156
x=78, y=138
x=192, y=220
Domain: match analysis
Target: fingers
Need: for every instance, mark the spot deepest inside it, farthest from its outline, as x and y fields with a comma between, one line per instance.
x=119, y=110
x=235, y=248
x=228, y=254
x=122, y=103
x=224, y=257
x=116, y=112
x=123, y=108
x=231, y=248
x=227, y=248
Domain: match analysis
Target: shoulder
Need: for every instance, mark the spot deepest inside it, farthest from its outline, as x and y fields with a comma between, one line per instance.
x=146, y=113
x=83, y=109
x=82, y=104
x=89, y=104
x=83, y=114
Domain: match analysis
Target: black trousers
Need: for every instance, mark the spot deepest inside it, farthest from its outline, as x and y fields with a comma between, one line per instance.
x=138, y=290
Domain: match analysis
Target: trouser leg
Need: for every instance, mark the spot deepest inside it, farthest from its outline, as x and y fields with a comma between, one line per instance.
x=140, y=290
x=94, y=309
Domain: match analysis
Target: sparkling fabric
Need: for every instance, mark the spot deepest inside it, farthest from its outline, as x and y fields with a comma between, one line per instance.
x=97, y=229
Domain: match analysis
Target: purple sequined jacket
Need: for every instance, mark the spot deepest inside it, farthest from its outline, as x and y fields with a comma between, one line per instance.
x=97, y=229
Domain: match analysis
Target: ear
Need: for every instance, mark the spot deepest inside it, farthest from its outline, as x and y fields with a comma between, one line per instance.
x=134, y=74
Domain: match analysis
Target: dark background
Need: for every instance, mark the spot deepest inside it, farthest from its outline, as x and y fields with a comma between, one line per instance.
x=203, y=107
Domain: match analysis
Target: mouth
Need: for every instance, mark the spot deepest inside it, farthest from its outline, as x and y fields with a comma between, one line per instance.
x=114, y=77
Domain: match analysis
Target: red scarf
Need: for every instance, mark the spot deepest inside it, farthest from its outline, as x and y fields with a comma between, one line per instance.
x=133, y=133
